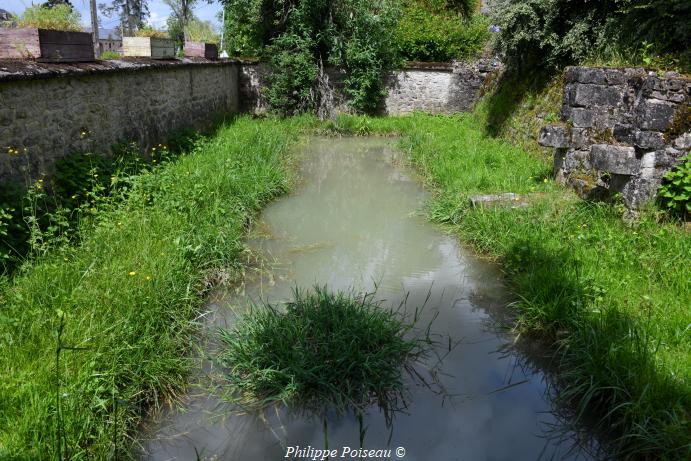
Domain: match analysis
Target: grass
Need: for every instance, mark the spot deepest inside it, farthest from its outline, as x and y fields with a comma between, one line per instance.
x=613, y=298
x=120, y=306
x=322, y=352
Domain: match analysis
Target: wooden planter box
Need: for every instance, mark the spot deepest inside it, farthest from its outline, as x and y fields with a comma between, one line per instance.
x=148, y=47
x=201, y=50
x=46, y=45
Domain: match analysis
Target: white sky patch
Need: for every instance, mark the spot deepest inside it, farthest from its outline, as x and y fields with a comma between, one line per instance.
x=159, y=11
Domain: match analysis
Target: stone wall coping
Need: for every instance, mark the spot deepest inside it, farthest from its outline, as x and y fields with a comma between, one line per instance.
x=414, y=65
x=20, y=69
x=409, y=65
x=628, y=72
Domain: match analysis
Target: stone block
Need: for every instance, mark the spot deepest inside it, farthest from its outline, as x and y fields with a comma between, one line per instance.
x=649, y=139
x=598, y=95
x=581, y=138
x=624, y=133
x=582, y=118
x=576, y=160
x=554, y=136
x=588, y=75
x=614, y=159
x=655, y=114
x=508, y=199
x=683, y=141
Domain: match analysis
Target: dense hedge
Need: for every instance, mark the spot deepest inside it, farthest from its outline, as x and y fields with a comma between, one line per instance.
x=555, y=32
x=427, y=33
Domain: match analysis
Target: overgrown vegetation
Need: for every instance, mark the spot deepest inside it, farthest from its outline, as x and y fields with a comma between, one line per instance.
x=31, y=208
x=551, y=33
x=322, y=352
x=441, y=30
x=119, y=306
x=58, y=17
x=301, y=37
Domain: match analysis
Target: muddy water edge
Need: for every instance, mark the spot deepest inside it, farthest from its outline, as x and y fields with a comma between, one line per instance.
x=356, y=220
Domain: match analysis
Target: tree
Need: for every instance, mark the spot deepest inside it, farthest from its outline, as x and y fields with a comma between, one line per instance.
x=183, y=11
x=132, y=13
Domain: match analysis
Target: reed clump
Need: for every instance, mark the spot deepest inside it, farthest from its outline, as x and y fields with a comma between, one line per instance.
x=323, y=352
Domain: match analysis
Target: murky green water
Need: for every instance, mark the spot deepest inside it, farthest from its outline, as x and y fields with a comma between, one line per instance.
x=356, y=220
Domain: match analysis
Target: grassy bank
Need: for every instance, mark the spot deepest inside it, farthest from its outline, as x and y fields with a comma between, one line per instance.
x=613, y=298
x=91, y=334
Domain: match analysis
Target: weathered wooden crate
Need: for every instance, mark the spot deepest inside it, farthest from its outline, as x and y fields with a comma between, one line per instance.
x=201, y=50
x=148, y=47
x=46, y=45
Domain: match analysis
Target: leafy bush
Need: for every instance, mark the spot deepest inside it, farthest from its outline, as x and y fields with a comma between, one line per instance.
x=291, y=89
x=675, y=192
x=424, y=35
x=201, y=31
x=554, y=32
x=59, y=17
x=151, y=32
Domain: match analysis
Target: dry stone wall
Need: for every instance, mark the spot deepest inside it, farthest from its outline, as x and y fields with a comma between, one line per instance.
x=49, y=111
x=622, y=130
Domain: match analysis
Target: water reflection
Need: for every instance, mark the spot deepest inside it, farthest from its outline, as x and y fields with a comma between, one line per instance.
x=353, y=223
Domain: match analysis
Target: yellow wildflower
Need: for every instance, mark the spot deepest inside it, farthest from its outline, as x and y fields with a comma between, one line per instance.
x=132, y=273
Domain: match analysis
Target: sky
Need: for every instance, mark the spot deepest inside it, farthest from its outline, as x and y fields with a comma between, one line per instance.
x=159, y=11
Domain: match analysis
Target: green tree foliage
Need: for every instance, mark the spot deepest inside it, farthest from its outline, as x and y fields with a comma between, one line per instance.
x=441, y=30
x=53, y=3
x=555, y=32
x=132, y=13
x=301, y=37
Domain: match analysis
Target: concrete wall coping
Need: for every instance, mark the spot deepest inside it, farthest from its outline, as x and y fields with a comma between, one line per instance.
x=20, y=69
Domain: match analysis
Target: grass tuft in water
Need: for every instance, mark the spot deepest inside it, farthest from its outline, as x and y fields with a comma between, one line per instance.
x=323, y=352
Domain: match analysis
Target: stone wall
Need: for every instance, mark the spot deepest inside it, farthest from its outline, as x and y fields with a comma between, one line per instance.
x=429, y=87
x=622, y=130
x=49, y=110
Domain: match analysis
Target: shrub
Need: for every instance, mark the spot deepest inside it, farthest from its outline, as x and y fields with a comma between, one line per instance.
x=59, y=17
x=290, y=89
x=424, y=35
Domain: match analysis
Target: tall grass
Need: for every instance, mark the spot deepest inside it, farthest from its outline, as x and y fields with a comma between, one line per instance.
x=120, y=307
